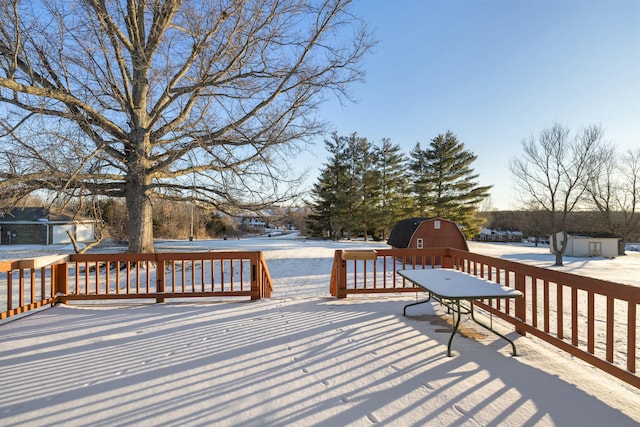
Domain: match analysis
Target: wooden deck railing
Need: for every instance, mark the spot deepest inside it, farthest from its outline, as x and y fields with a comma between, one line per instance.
x=592, y=319
x=30, y=284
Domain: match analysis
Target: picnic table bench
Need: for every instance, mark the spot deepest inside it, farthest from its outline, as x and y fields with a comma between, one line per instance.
x=450, y=287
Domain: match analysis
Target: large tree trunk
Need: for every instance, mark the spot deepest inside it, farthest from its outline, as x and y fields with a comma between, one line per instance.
x=558, y=259
x=138, y=181
x=140, y=215
x=559, y=248
x=622, y=244
x=140, y=220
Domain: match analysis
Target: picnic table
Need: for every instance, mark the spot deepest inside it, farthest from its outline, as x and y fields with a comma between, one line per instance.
x=451, y=287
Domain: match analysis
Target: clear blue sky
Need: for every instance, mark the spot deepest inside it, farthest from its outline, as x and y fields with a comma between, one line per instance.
x=493, y=72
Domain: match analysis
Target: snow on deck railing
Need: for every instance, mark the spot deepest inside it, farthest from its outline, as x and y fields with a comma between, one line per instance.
x=594, y=320
x=30, y=284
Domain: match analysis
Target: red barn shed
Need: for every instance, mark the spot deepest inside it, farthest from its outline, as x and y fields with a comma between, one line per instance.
x=421, y=233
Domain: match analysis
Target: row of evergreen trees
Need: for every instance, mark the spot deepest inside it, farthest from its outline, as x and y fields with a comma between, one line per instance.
x=364, y=188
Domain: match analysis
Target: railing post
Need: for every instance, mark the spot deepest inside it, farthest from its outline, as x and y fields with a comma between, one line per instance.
x=60, y=278
x=341, y=278
x=160, y=279
x=631, y=335
x=447, y=259
x=333, y=284
x=520, y=303
x=10, y=290
x=264, y=277
x=256, y=288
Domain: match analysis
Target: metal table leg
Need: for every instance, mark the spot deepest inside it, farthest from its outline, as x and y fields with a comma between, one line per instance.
x=404, y=312
x=513, y=346
x=455, y=327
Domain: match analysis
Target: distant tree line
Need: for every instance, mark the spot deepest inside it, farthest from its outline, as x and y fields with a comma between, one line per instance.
x=365, y=188
x=536, y=223
x=184, y=220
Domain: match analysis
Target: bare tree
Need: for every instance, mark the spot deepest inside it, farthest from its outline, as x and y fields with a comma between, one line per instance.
x=552, y=175
x=615, y=192
x=203, y=101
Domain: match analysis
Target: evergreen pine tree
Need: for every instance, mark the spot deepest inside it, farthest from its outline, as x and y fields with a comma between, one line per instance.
x=331, y=205
x=364, y=190
x=422, y=189
x=394, y=198
x=449, y=184
x=361, y=190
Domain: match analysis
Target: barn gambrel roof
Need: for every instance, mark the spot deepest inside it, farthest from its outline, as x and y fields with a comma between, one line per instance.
x=401, y=234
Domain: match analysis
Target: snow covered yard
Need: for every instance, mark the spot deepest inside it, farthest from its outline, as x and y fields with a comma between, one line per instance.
x=299, y=358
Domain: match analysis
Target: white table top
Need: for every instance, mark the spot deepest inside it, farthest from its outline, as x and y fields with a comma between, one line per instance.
x=447, y=283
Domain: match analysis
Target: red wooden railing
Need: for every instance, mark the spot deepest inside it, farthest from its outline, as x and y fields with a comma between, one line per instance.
x=592, y=319
x=30, y=284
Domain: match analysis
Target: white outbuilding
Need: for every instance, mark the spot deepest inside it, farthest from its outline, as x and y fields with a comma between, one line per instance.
x=38, y=226
x=590, y=244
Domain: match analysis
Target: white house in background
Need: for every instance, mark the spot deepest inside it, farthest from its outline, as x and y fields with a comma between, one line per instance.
x=38, y=226
x=590, y=244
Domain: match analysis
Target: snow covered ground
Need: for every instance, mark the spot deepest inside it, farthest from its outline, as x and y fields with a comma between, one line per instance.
x=299, y=358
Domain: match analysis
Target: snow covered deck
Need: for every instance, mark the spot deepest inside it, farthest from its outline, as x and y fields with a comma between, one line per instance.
x=301, y=357
x=288, y=361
